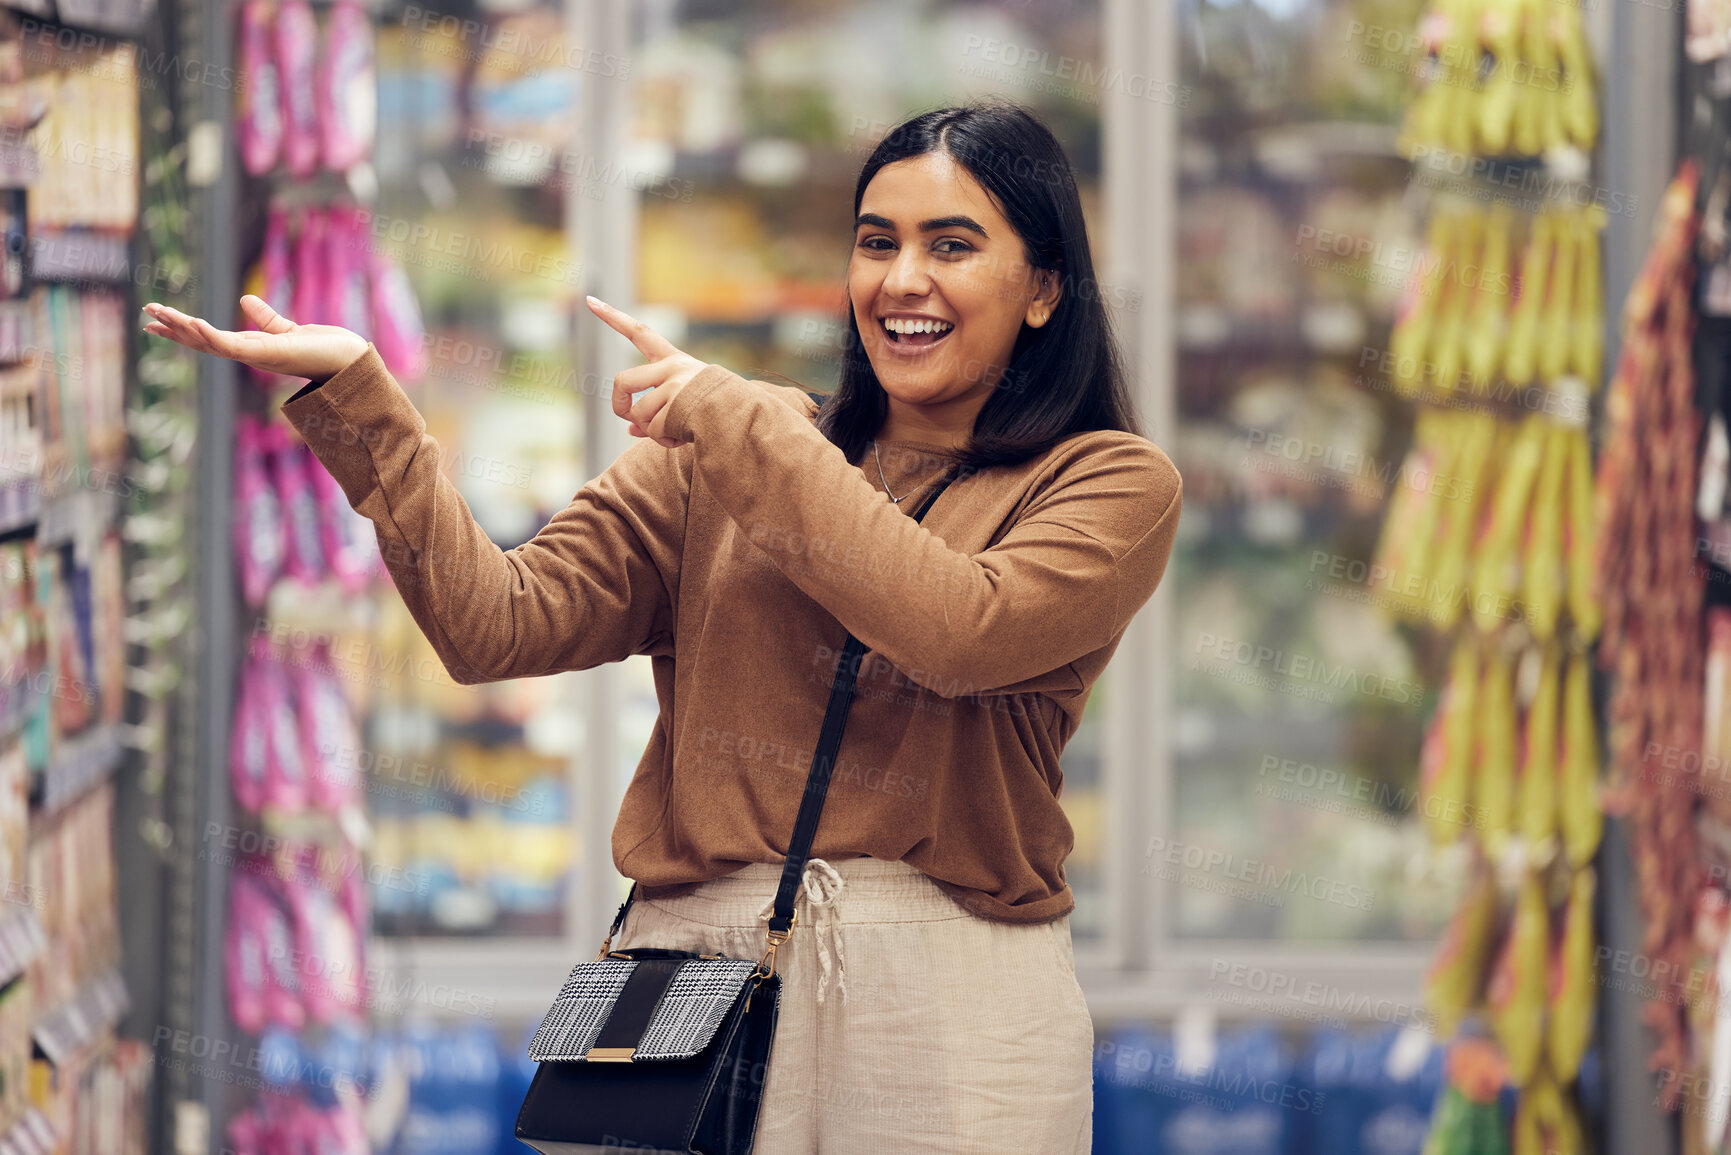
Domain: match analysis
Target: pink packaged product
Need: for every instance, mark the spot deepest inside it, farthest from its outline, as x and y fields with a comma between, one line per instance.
x=272, y=279
x=354, y=901
x=249, y=980
x=330, y=973
x=259, y=532
x=347, y=87
x=329, y=737
x=398, y=331
x=286, y=781
x=304, y=559
x=351, y=544
x=297, y=47
x=258, y=907
x=312, y=281
x=249, y=739
x=246, y=1135
x=349, y=275
x=260, y=115
x=344, y=1133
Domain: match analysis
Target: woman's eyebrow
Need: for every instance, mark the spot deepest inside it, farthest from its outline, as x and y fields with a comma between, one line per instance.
x=957, y=221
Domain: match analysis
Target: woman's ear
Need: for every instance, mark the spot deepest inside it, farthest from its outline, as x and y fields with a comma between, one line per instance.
x=1045, y=301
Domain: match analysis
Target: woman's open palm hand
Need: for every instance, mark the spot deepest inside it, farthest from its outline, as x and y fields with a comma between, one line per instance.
x=278, y=345
x=669, y=370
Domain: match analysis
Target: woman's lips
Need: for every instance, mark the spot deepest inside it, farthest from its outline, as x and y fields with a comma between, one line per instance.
x=914, y=344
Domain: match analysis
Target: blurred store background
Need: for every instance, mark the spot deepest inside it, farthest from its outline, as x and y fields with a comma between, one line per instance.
x=1395, y=813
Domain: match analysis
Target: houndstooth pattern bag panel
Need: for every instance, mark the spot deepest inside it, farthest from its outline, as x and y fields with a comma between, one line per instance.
x=692, y=1009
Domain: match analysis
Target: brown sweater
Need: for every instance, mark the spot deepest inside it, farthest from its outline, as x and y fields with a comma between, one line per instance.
x=738, y=561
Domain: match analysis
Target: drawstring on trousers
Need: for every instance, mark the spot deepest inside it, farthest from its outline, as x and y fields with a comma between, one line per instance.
x=820, y=885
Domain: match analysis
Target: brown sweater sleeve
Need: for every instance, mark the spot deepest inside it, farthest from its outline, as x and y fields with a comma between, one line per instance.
x=1081, y=559
x=597, y=584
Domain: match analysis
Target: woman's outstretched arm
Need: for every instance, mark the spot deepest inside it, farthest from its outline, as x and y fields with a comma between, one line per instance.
x=597, y=584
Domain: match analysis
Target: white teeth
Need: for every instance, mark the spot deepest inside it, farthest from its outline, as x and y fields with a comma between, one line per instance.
x=907, y=325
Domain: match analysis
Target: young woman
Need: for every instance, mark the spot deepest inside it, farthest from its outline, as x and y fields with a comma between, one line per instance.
x=931, y=1002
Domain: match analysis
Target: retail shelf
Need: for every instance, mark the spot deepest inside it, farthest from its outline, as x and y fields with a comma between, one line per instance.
x=1337, y=328
x=17, y=320
x=83, y=763
x=73, y=1025
x=82, y=255
x=115, y=17
x=64, y=518
x=17, y=705
x=21, y=940
x=30, y=1135
x=59, y=520
x=20, y=509
x=42, y=8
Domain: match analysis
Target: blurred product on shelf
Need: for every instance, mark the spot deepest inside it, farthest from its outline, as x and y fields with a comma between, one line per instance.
x=87, y=144
x=1469, y=325
x=1707, y=30
x=1502, y=77
x=1361, y=1090
x=1498, y=339
x=321, y=264
x=312, y=100
x=1652, y=591
x=1469, y=1117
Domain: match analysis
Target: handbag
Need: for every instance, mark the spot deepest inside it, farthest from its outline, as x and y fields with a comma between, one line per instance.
x=649, y=1048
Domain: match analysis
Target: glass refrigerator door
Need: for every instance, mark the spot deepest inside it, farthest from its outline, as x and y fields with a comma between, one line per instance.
x=750, y=125
x=472, y=787
x=1299, y=705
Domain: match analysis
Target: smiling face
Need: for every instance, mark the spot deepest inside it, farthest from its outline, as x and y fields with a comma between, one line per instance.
x=932, y=252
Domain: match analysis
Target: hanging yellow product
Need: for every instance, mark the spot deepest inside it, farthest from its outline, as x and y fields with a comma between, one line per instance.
x=1454, y=295
x=1433, y=454
x=1520, y=361
x=1575, y=981
x=1557, y=325
x=1540, y=129
x=1577, y=106
x=1543, y=575
x=1580, y=814
x=1587, y=348
x=1445, y=757
x=1515, y=993
x=1462, y=494
x=1457, y=971
x=1545, y=1120
x=1409, y=343
x=1461, y=78
x=1422, y=127
x=1501, y=29
x=1583, y=605
x=1488, y=321
x=1494, y=580
x=1537, y=823
x=1494, y=780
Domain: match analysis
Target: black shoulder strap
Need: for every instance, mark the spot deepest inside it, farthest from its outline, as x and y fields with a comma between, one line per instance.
x=822, y=764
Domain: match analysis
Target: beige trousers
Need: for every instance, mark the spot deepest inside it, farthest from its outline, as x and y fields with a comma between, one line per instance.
x=907, y=1024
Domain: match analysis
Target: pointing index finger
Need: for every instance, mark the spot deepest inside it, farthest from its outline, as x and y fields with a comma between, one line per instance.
x=650, y=343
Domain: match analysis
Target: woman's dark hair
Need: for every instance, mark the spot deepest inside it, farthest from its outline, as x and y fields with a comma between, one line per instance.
x=1064, y=377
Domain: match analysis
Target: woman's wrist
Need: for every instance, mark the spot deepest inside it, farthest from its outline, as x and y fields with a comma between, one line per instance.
x=360, y=350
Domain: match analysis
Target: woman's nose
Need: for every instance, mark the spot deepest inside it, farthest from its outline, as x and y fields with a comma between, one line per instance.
x=908, y=275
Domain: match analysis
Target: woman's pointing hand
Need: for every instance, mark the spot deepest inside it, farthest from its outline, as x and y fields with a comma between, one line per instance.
x=669, y=370
x=278, y=345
